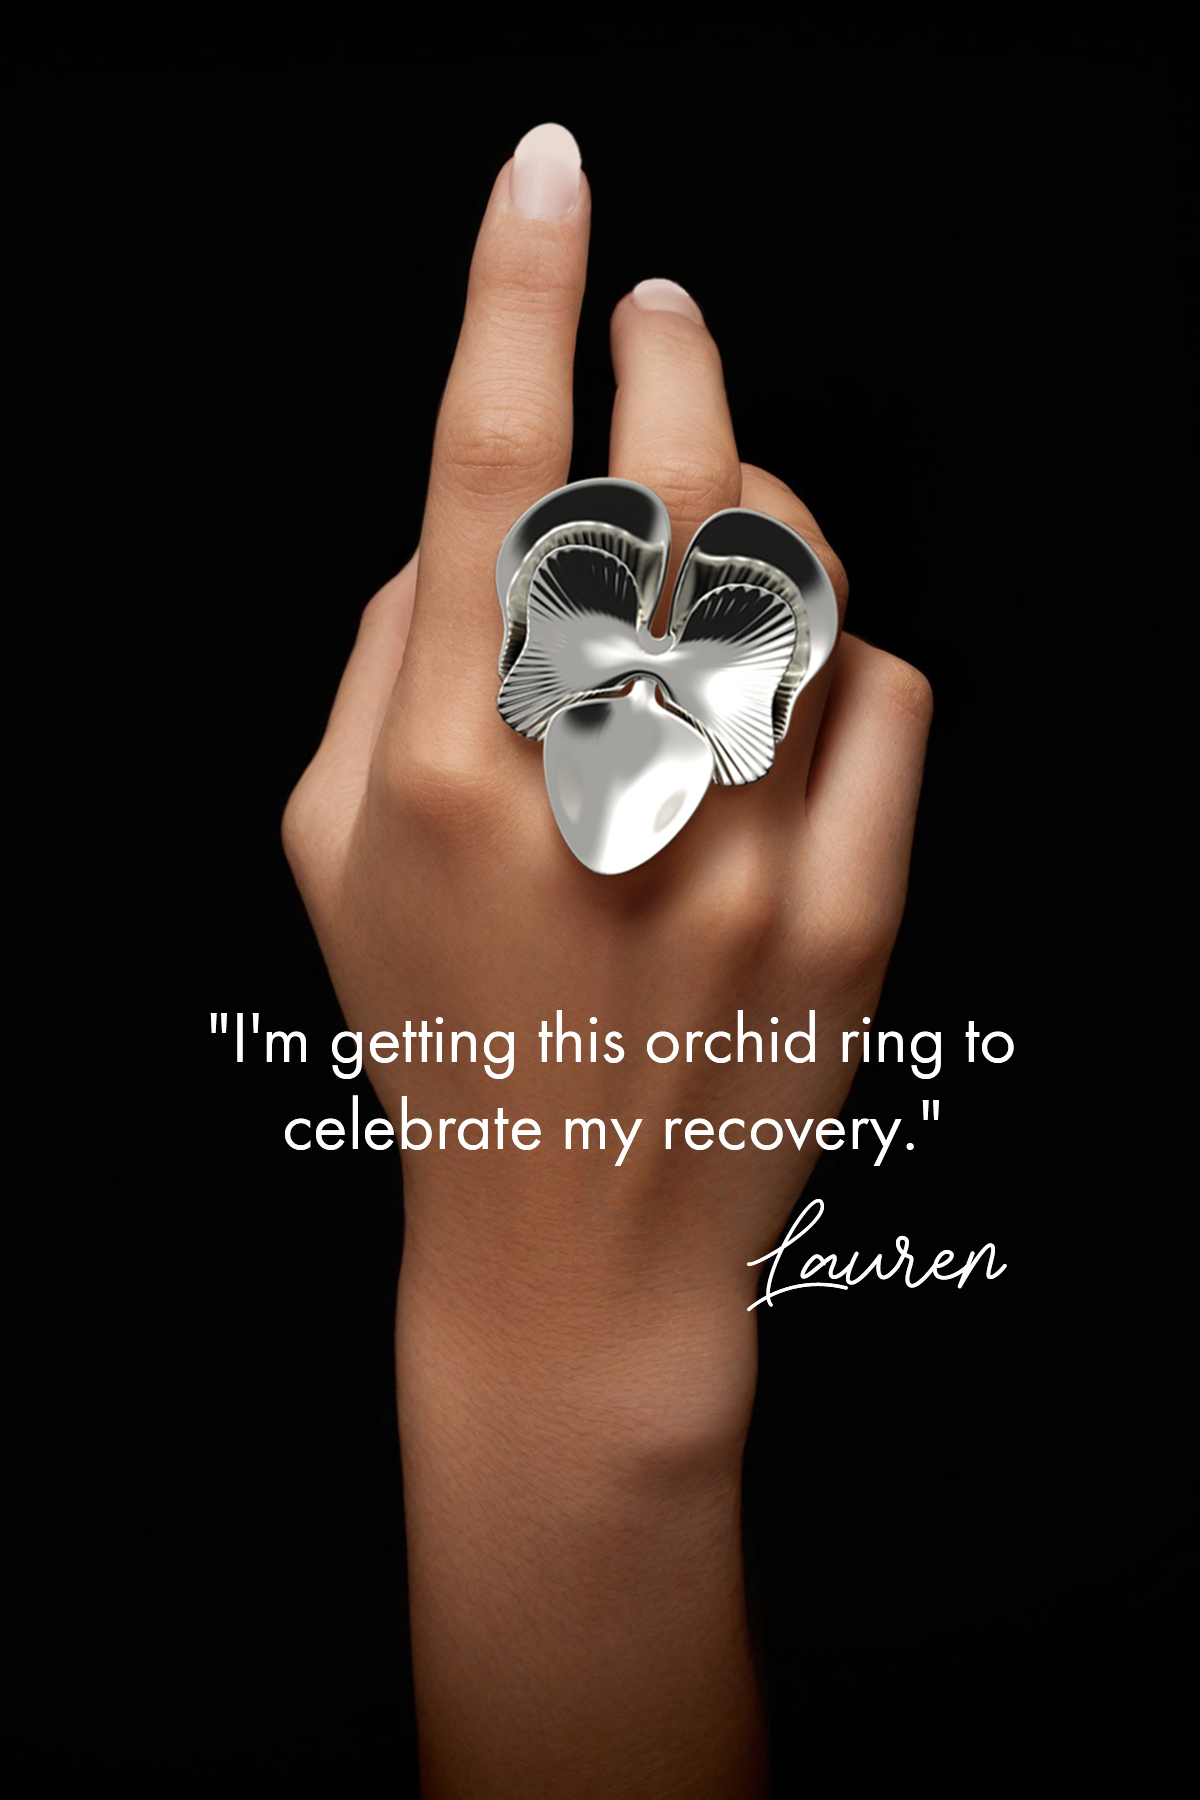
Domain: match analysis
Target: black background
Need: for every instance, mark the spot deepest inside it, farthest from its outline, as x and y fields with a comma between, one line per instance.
x=946, y=285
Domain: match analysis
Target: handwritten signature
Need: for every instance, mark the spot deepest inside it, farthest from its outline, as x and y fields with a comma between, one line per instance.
x=840, y=1281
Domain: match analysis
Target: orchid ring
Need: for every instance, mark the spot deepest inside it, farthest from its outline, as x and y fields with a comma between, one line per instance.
x=634, y=727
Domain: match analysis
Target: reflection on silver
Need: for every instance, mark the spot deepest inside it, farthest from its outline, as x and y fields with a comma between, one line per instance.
x=635, y=727
x=623, y=777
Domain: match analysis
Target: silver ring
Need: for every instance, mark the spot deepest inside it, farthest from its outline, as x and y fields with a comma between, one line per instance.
x=635, y=727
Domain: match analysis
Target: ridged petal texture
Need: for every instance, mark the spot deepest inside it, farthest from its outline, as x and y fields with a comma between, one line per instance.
x=723, y=673
x=580, y=636
x=582, y=642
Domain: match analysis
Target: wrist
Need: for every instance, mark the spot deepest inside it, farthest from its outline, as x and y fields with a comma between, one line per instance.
x=589, y=1367
x=573, y=1523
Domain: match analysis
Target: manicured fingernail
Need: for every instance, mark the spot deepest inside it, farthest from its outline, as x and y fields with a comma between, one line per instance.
x=658, y=295
x=544, y=183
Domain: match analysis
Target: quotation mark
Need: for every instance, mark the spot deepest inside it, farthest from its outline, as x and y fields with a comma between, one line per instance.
x=926, y=1114
x=240, y=1018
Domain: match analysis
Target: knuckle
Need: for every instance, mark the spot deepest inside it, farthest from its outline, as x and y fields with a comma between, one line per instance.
x=904, y=687
x=300, y=827
x=866, y=941
x=318, y=821
x=523, y=277
x=491, y=446
x=754, y=923
x=742, y=906
x=695, y=488
x=758, y=907
x=854, y=939
x=435, y=793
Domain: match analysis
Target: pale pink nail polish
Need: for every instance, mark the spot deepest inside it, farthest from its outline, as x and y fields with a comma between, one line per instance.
x=657, y=295
x=544, y=181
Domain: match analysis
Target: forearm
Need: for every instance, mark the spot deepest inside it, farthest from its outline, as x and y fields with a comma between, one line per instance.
x=572, y=1502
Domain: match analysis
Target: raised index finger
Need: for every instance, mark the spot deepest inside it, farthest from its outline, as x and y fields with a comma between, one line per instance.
x=504, y=431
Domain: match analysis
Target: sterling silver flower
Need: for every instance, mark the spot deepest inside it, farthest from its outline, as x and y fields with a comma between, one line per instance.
x=635, y=727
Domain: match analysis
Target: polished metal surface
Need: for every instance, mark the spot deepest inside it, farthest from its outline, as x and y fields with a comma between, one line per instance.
x=620, y=516
x=636, y=726
x=743, y=546
x=624, y=776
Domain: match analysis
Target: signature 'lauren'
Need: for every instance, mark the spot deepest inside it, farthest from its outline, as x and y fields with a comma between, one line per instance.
x=843, y=1279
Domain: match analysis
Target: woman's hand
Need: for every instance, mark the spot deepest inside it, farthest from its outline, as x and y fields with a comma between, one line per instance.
x=576, y=1361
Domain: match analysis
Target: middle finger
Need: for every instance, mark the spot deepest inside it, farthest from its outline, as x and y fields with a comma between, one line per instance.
x=671, y=428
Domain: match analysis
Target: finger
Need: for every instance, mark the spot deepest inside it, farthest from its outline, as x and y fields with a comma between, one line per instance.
x=504, y=430
x=671, y=428
x=370, y=674
x=326, y=802
x=763, y=492
x=866, y=775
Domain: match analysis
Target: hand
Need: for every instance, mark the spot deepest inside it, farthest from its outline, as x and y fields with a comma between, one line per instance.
x=576, y=1363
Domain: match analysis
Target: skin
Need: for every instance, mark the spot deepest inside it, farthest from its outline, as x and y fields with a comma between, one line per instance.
x=575, y=1360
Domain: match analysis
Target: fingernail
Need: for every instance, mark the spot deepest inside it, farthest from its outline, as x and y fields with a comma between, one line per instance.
x=544, y=183
x=657, y=295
